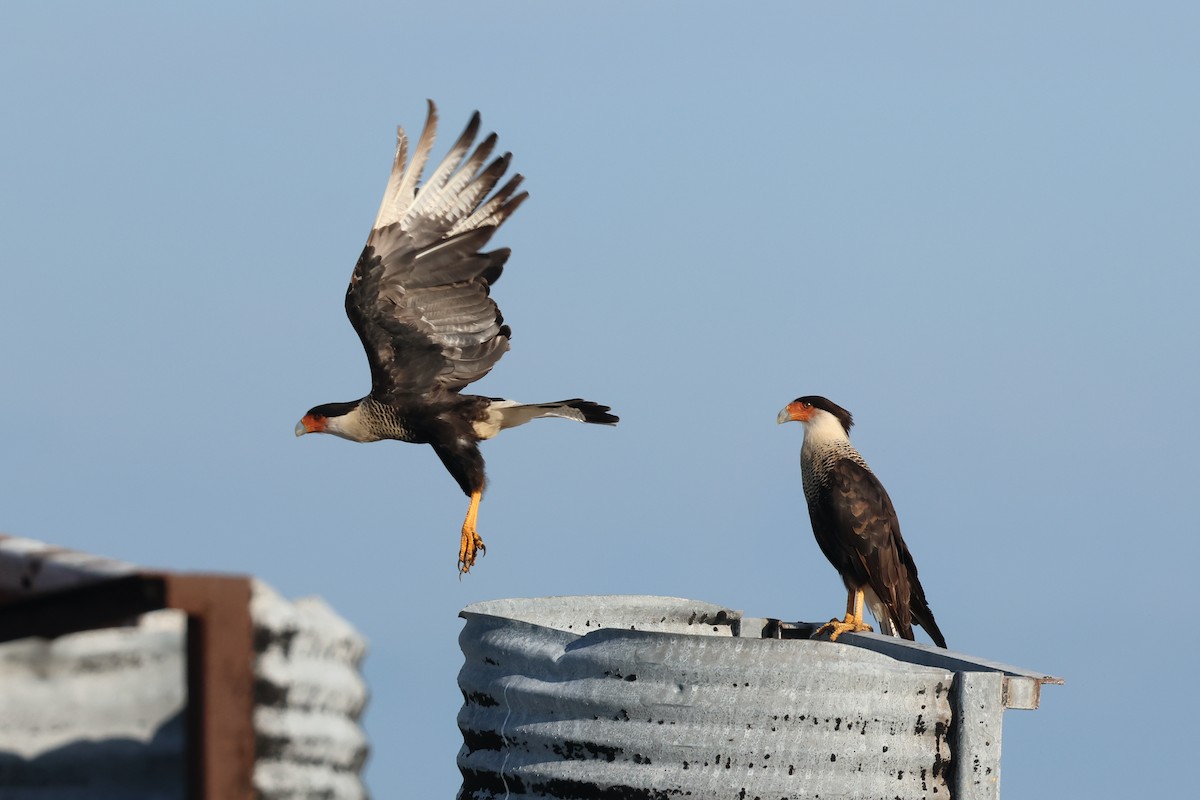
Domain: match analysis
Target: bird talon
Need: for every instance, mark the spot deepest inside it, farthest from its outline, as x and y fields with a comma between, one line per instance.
x=471, y=543
x=836, y=627
x=470, y=547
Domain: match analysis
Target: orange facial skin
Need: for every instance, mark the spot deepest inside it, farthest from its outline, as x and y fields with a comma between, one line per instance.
x=798, y=412
x=313, y=424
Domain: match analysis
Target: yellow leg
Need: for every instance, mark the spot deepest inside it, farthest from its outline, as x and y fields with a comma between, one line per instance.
x=471, y=541
x=853, y=621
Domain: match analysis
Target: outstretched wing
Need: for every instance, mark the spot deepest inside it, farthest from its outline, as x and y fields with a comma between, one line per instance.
x=862, y=530
x=418, y=297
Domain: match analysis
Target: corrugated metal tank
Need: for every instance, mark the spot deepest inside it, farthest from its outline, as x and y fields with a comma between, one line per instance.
x=651, y=697
x=309, y=696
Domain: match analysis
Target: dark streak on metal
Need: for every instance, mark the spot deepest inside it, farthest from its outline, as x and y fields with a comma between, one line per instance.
x=482, y=699
x=941, y=764
x=486, y=785
x=587, y=751
x=475, y=741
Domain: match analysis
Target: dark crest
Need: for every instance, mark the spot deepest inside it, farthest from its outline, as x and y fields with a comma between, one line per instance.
x=825, y=404
x=332, y=409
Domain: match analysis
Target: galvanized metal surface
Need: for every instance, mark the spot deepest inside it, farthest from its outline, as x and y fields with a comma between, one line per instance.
x=579, y=709
x=1021, y=688
x=309, y=696
x=97, y=714
x=29, y=567
x=978, y=705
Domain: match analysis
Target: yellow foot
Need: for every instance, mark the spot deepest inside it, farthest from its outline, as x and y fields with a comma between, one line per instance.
x=836, y=627
x=467, y=549
x=470, y=539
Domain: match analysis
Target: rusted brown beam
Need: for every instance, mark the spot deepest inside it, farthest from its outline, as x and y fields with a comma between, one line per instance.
x=220, y=684
x=220, y=659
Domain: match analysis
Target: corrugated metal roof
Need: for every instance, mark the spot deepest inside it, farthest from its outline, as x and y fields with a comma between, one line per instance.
x=648, y=697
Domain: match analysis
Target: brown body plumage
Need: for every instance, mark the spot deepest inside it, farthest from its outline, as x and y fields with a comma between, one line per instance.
x=855, y=523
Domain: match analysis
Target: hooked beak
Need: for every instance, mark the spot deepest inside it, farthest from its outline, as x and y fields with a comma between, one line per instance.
x=790, y=413
x=310, y=423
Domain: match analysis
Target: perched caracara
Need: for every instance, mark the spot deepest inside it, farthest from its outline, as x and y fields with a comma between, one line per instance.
x=418, y=299
x=856, y=526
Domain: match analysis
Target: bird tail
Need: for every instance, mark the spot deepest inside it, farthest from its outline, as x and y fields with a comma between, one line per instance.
x=923, y=616
x=883, y=616
x=918, y=608
x=886, y=626
x=509, y=414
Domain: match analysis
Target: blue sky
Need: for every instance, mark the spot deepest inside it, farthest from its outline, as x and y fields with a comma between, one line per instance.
x=974, y=227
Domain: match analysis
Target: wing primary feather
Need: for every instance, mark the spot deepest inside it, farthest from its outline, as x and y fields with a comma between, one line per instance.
x=474, y=187
x=432, y=191
x=401, y=192
x=497, y=209
x=387, y=206
x=419, y=297
x=495, y=267
x=468, y=186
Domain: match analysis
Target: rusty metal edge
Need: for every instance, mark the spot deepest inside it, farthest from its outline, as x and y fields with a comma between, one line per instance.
x=220, y=659
x=220, y=683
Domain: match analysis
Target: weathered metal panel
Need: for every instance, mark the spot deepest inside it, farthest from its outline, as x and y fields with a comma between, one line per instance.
x=242, y=694
x=97, y=714
x=309, y=695
x=29, y=567
x=978, y=704
x=1022, y=687
x=618, y=697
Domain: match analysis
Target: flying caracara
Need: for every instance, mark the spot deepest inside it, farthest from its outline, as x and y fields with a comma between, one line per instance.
x=418, y=299
x=856, y=526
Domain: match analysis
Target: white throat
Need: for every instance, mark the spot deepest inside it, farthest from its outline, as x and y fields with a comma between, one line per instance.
x=352, y=425
x=822, y=431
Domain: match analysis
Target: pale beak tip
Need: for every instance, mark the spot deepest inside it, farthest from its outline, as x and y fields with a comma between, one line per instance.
x=300, y=429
